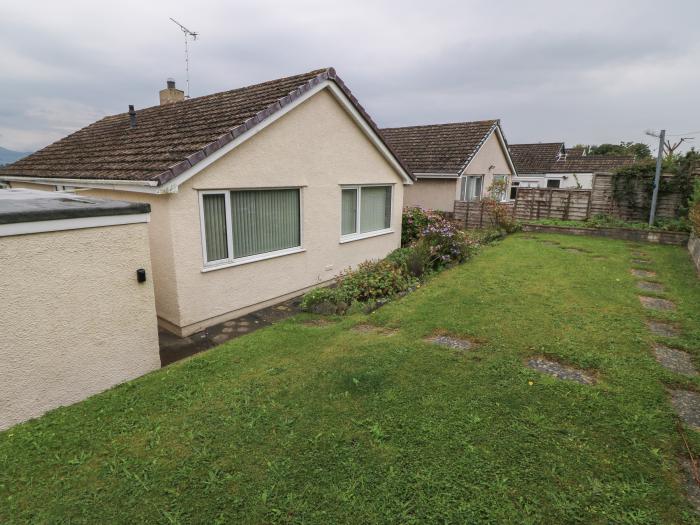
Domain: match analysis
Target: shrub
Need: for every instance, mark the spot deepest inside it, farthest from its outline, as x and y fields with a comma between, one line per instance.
x=694, y=208
x=501, y=216
x=414, y=221
x=444, y=244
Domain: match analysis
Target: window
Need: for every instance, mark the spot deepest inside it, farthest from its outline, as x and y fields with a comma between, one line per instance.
x=553, y=183
x=240, y=226
x=514, y=190
x=499, y=187
x=471, y=188
x=365, y=211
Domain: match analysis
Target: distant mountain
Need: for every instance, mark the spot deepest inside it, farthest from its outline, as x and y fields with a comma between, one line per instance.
x=8, y=156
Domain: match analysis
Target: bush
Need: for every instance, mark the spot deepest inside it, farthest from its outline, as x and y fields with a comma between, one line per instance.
x=694, y=208
x=414, y=221
x=433, y=242
x=372, y=280
x=501, y=216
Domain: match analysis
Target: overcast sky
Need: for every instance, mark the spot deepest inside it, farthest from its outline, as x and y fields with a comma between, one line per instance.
x=582, y=72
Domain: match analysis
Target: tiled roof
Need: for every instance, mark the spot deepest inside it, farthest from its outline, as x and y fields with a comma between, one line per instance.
x=544, y=158
x=590, y=164
x=534, y=158
x=170, y=139
x=440, y=148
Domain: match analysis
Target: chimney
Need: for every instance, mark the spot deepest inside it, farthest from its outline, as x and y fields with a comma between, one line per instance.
x=171, y=94
x=132, y=116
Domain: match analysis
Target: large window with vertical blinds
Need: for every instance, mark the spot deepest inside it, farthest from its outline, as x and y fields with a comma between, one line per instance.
x=365, y=211
x=246, y=225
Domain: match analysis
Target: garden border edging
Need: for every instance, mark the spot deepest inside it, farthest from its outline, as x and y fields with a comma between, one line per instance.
x=628, y=234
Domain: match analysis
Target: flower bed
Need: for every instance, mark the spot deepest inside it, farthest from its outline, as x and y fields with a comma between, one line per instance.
x=430, y=243
x=605, y=221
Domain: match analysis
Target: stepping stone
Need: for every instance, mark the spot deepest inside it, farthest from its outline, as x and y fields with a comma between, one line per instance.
x=451, y=342
x=639, y=254
x=573, y=250
x=642, y=273
x=648, y=286
x=371, y=329
x=691, y=485
x=548, y=243
x=661, y=328
x=654, y=303
x=560, y=371
x=641, y=261
x=687, y=406
x=675, y=360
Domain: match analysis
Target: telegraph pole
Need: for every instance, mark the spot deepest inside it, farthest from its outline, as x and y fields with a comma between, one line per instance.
x=657, y=176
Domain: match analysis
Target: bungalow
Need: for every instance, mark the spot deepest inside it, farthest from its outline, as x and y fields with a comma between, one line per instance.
x=257, y=194
x=450, y=162
x=551, y=165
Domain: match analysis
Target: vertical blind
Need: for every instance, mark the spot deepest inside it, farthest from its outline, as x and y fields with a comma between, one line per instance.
x=375, y=208
x=264, y=221
x=349, y=212
x=261, y=221
x=215, y=226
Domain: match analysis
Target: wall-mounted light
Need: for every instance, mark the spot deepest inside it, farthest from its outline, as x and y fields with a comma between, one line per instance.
x=141, y=275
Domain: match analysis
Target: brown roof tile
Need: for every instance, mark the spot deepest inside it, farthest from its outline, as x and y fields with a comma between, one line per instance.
x=439, y=148
x=545, y=158
x=534, y=158
x=169, y=139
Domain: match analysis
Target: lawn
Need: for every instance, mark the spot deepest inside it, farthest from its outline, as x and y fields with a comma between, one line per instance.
x=323, y=423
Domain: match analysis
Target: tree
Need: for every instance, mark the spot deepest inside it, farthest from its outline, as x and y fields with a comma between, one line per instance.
x=640, y=150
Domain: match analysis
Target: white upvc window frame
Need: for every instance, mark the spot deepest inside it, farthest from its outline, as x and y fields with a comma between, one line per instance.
x=350, y=237
x=230, y=261
x=466, y=178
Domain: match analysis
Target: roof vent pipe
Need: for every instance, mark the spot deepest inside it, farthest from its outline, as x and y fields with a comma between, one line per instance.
x=132, y=116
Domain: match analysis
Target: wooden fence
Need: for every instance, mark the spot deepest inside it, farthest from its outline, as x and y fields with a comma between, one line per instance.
x=568, y=204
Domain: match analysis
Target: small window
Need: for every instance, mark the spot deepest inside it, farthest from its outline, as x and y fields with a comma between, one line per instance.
x=471, y=188
x=553, y=183
x=514, y=190
x=240, y=225
x=365, y=210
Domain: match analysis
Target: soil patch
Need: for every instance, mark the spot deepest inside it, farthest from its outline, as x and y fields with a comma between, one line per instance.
x=675, y=360
x=452, y=342
x=661, y=328
x=648, y=286
x=371, y=329
x=560, y=371
x=654, y=303
x=317, y=322
x=642, y=273
x=687, y=406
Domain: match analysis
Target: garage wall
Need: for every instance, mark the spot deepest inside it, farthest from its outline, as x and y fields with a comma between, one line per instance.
x=73, y=319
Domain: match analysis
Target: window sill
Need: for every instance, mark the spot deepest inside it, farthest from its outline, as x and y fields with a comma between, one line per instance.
x=368, y=235
x=253, y=258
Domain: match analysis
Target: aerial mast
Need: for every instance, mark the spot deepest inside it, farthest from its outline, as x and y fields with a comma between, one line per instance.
x=188, y=34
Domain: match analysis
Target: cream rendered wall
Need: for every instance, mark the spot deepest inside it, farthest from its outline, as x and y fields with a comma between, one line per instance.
x=490, y=154
x=160, y=240
x=317, y=147
x=433, y=194
x=73, y=319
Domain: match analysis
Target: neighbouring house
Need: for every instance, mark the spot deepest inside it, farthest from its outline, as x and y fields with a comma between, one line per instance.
x=453, y=162
x=77, y=314
x=551, y=165
x=257, y=194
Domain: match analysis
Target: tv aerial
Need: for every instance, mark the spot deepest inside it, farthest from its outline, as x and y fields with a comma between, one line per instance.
x=188, y=35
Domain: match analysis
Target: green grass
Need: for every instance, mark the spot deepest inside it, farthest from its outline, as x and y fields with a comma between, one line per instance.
x=311, y=424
